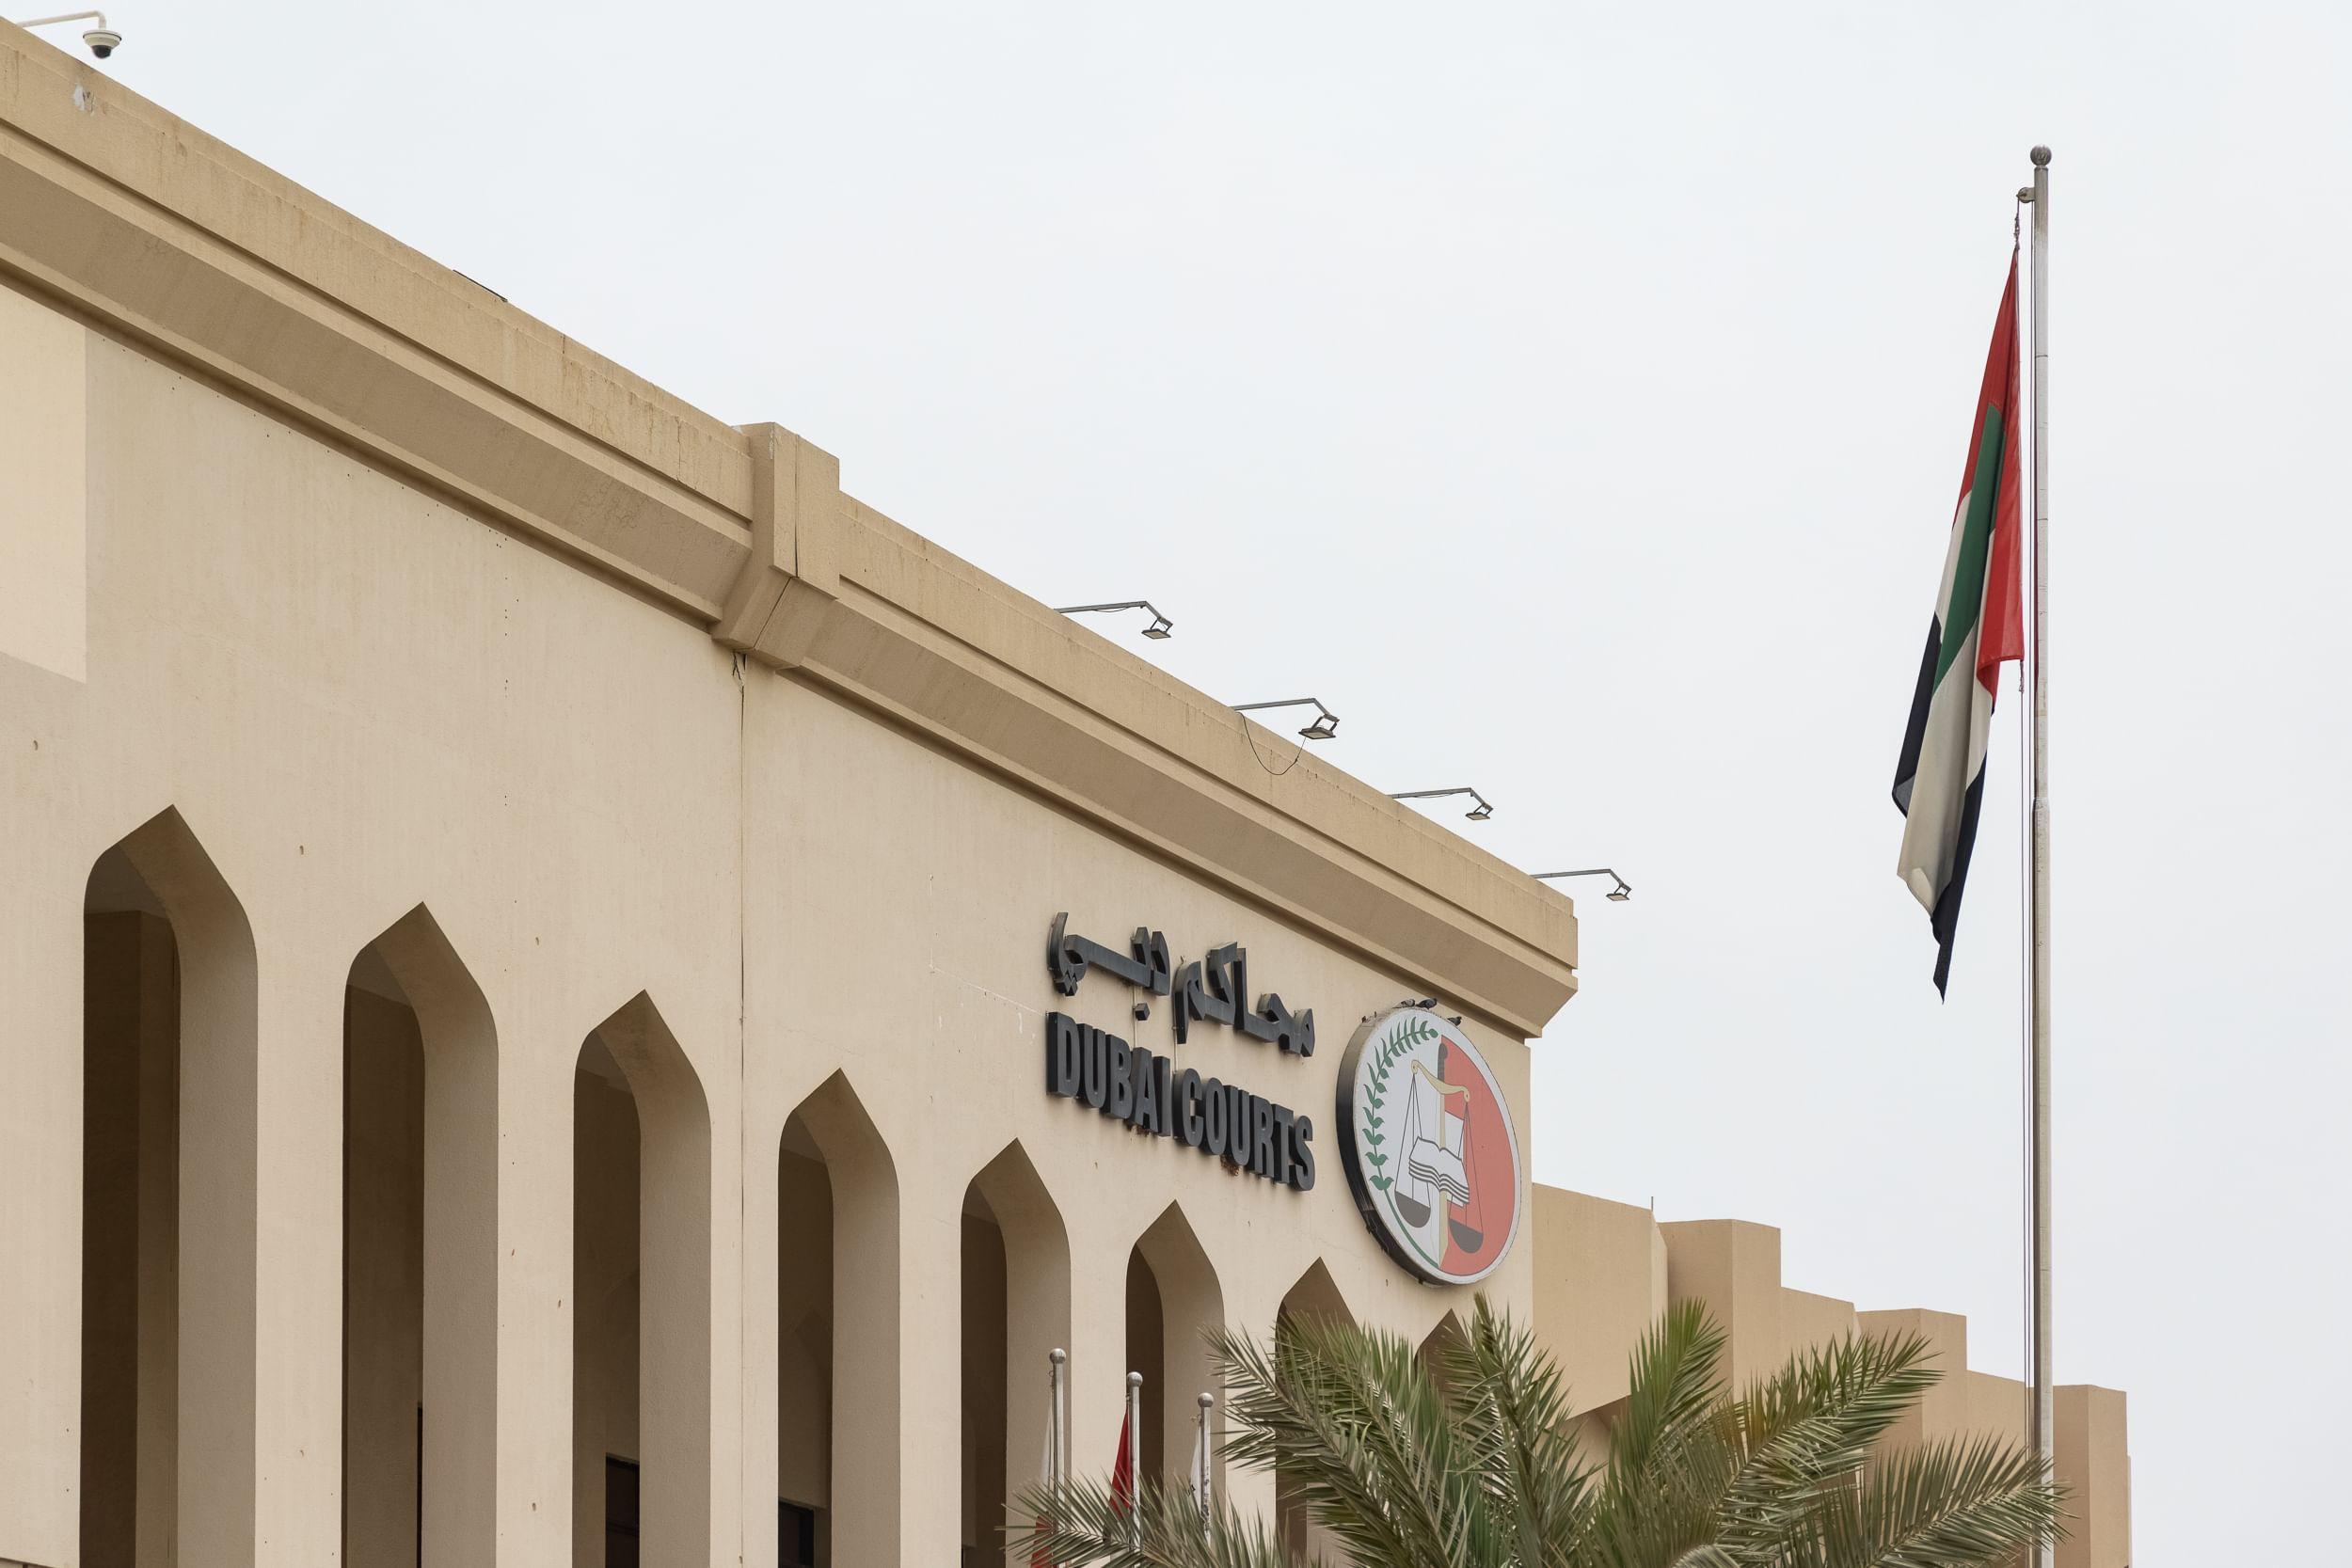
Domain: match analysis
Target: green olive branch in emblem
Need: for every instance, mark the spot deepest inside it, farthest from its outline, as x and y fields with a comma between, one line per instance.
x=1408, y=1034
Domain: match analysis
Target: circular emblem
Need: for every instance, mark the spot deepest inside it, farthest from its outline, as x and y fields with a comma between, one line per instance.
x=1430, y=1151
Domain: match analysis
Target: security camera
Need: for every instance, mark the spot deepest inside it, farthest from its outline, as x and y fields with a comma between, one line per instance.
x=103, y=40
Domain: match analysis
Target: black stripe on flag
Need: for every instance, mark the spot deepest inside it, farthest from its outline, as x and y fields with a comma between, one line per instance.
x=1915, y=732
x=1945, y=920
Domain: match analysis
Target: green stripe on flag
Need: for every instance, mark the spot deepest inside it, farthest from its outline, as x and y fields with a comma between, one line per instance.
x=1976, y=542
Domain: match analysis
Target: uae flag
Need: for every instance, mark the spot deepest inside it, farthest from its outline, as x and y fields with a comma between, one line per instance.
x=1979, y=624
x=1124, y=1468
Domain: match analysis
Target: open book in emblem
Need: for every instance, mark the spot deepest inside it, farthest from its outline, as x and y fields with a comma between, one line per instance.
x=1439, y=1163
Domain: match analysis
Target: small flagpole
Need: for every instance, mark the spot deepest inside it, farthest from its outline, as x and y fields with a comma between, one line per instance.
x=1135, y=1459
x=1205, y=1483
x=2042, y=1425
x=1056, y=1433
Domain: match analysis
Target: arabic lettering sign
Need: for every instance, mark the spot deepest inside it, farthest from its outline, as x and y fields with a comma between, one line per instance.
x=1159, y=1094
x=1215, y=990
x=1431, y=1154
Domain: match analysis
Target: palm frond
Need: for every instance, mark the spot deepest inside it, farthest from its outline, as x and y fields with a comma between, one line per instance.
x=1510, y=1410
x=1669, y=1463
x=1707, y=1556
x=1082, y=1524
x=1961, y=1503
x=1866, y=1383
x=1805, y=1431
x=1352, y=1420
x=1675, y=1387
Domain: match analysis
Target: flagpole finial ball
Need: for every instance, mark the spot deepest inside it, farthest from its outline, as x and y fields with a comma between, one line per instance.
x=2042, y=157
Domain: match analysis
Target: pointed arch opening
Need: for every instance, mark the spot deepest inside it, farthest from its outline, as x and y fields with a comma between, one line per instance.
x=1173, y=1299
x=1313, y=1298
x=419, y=1253
x=837, y=1480
x=168, y=1184
x=640, y=1285
x=1015, y=1313
x=1445, y=1336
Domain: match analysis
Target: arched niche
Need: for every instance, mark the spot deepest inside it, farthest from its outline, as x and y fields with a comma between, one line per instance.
x=1173, y=1299
x=837, y=1305
x=1315, y=1299
x=1446, y=1338
x=1314, y=1296
x=169, y=1190
x=642, y=1219
x=1015, y=1312
x=420, y=1180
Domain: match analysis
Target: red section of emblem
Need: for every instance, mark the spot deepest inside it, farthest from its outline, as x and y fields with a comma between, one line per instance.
x=1478, y=1230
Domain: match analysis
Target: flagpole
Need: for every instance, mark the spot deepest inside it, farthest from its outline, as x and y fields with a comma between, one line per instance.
x=1056, y=1431
x=1135, y=1457
x=1204, y=1481
x=2042, y=1425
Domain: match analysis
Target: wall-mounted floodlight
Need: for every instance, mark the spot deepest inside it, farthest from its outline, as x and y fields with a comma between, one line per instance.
x=1618, y=894
x=1322, y=727
x=1157, y=631
x=103, y=40
x=1478, y=813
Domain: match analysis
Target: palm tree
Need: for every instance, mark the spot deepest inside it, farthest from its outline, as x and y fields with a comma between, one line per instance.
x=1477, y=1464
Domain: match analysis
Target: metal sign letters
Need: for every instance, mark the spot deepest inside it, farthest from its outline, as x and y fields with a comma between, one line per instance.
x=1149, y=1092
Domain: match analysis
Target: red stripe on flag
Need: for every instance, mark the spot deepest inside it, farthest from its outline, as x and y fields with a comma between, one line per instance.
x=2001, y=624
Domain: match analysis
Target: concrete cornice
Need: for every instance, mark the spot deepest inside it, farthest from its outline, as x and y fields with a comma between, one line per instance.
x=174, y=241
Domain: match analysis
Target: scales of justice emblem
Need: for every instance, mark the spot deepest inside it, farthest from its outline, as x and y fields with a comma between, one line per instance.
x=1428, y=1143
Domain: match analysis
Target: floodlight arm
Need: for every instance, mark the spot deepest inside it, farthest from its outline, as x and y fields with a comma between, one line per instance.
x=1623, y=891
x=1159, y=629
x=1477, y=814
x=1284, y=701
x=1323, y=727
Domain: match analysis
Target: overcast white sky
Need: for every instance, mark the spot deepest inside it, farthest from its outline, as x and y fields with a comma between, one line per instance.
x=1573, y=396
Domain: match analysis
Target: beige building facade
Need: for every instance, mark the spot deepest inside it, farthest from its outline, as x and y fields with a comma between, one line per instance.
x=525, y=978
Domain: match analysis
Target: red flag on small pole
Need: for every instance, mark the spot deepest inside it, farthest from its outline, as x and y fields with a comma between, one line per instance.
x=1124, y=1468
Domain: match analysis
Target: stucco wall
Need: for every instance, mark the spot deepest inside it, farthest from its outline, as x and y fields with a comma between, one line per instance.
x=1600, y=1282
x=43, y=483
x=2094, y=1460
